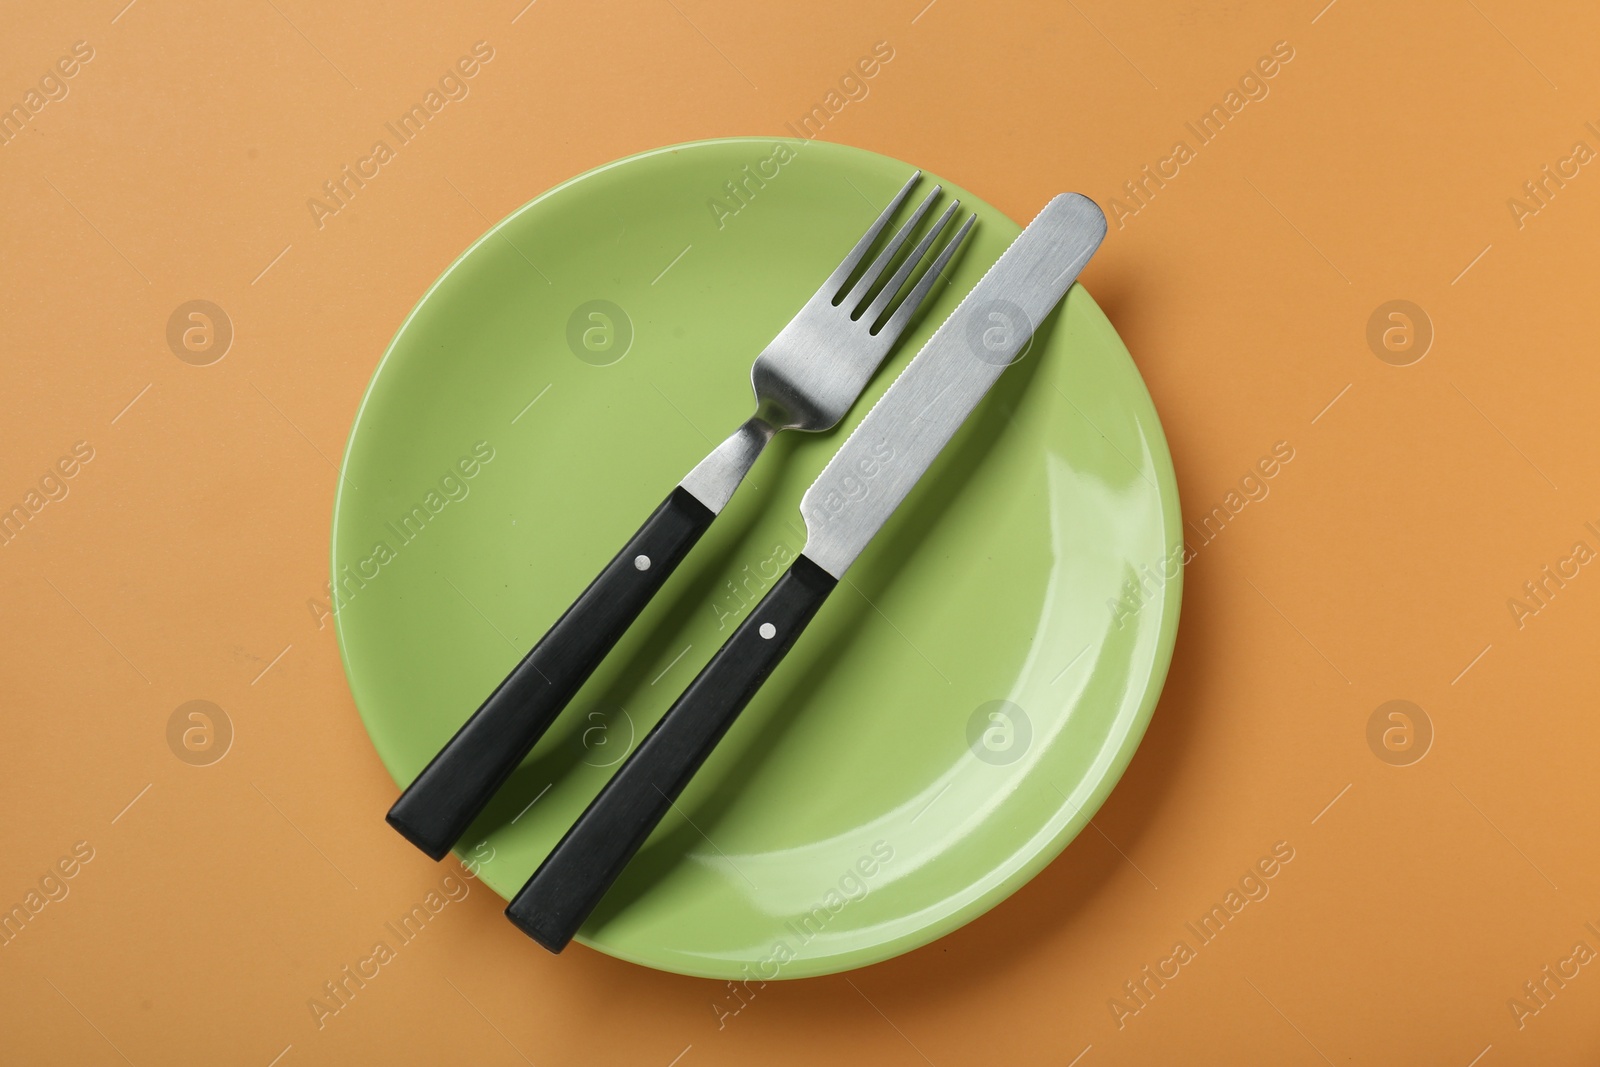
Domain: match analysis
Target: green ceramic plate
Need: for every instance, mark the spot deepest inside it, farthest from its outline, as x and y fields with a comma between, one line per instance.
x=956, y=713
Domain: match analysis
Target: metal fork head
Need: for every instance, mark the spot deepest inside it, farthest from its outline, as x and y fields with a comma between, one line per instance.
x=808, y=377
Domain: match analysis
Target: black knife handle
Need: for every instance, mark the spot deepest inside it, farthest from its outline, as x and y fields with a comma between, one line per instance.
x=436, y=808
x=577, y=873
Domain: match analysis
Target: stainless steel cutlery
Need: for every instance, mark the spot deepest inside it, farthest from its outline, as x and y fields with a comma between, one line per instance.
x=844, y=508
x=807, y=378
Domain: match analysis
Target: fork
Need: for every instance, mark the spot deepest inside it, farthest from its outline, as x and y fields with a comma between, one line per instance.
x=807, y=378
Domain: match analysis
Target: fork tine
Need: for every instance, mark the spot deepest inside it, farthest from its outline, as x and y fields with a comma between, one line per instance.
x=892, y=286
x=908, y=307
x=862, y=289
x=834, y=286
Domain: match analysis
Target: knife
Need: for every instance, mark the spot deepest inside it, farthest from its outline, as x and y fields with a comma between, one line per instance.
x=843, y=509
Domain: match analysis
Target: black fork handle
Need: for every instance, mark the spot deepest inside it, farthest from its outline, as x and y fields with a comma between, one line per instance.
x=436, y=808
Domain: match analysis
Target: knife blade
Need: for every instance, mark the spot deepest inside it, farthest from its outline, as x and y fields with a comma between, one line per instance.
x=847, y=505
x=913, y=421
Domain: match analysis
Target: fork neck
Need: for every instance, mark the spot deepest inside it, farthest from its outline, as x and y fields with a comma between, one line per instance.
x=714, y=479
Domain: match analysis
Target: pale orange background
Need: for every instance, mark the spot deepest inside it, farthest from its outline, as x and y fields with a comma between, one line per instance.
x=181, y=563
